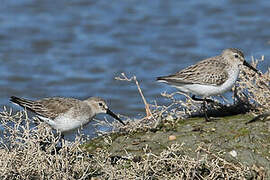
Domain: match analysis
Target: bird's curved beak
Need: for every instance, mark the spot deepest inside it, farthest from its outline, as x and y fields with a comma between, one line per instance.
x=251, y=67
x=114, y=116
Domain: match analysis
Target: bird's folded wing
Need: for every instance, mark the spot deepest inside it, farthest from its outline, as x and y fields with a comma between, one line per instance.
x=48, y=107
x=215, y=74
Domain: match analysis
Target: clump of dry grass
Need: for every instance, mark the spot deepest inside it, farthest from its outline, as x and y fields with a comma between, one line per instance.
x=22, y=156
x=255, y=88
x=173, y=163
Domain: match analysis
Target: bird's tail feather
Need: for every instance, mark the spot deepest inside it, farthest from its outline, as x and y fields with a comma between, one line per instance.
x=21, y=102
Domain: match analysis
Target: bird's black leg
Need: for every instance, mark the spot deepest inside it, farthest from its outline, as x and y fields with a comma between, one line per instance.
x=262, y=116
x=205, y=110
x=61, y=139
x=44, y=144
x=195, y=98
x=58, y=148
x=198, y=99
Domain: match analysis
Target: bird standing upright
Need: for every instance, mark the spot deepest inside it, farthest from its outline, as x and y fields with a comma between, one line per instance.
x=209, y=77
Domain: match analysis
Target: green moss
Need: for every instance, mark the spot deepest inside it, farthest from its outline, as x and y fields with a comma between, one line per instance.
x=98, y=142
x=242, y=132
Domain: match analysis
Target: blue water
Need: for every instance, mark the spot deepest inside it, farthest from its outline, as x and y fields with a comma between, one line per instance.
x=76, y=48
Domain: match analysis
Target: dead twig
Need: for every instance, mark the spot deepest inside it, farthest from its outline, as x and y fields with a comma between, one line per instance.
x=147, y=108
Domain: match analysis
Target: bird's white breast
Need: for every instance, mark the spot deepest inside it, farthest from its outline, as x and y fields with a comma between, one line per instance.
x=67, y=121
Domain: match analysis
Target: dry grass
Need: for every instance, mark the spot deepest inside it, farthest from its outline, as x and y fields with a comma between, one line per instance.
x=173, y=163
x=23, y=156
x=255, y=88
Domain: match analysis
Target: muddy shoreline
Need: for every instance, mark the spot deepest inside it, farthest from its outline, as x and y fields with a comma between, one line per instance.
x=240, y=143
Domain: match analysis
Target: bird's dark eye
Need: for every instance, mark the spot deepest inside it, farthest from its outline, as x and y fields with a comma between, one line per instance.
x=100, y=104
x=236, y=56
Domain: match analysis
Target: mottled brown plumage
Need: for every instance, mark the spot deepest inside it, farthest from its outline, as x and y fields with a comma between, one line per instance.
x=211, y=71
x=47, y=107
x=209, y=77
x=65, y=114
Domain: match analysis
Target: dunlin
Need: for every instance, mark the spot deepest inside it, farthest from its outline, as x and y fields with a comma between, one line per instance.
x=209, y=77
x=66, y=114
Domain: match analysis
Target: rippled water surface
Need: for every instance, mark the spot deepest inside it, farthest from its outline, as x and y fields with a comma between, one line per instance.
x=76, y=48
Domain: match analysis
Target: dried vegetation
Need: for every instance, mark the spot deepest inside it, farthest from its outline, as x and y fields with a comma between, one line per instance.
x=28, y=152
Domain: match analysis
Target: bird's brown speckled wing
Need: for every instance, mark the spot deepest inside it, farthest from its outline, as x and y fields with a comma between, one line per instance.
x=47, y=107
x=207, y=72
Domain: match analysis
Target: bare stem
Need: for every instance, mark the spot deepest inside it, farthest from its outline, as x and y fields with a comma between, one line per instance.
x=125, y=78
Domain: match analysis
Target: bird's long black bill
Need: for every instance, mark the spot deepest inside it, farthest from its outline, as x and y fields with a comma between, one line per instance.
x=114, y=116
x=250, y=67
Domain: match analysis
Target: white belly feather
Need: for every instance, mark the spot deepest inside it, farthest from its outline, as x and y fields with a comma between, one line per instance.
x=67, y=122
x=210, y=90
